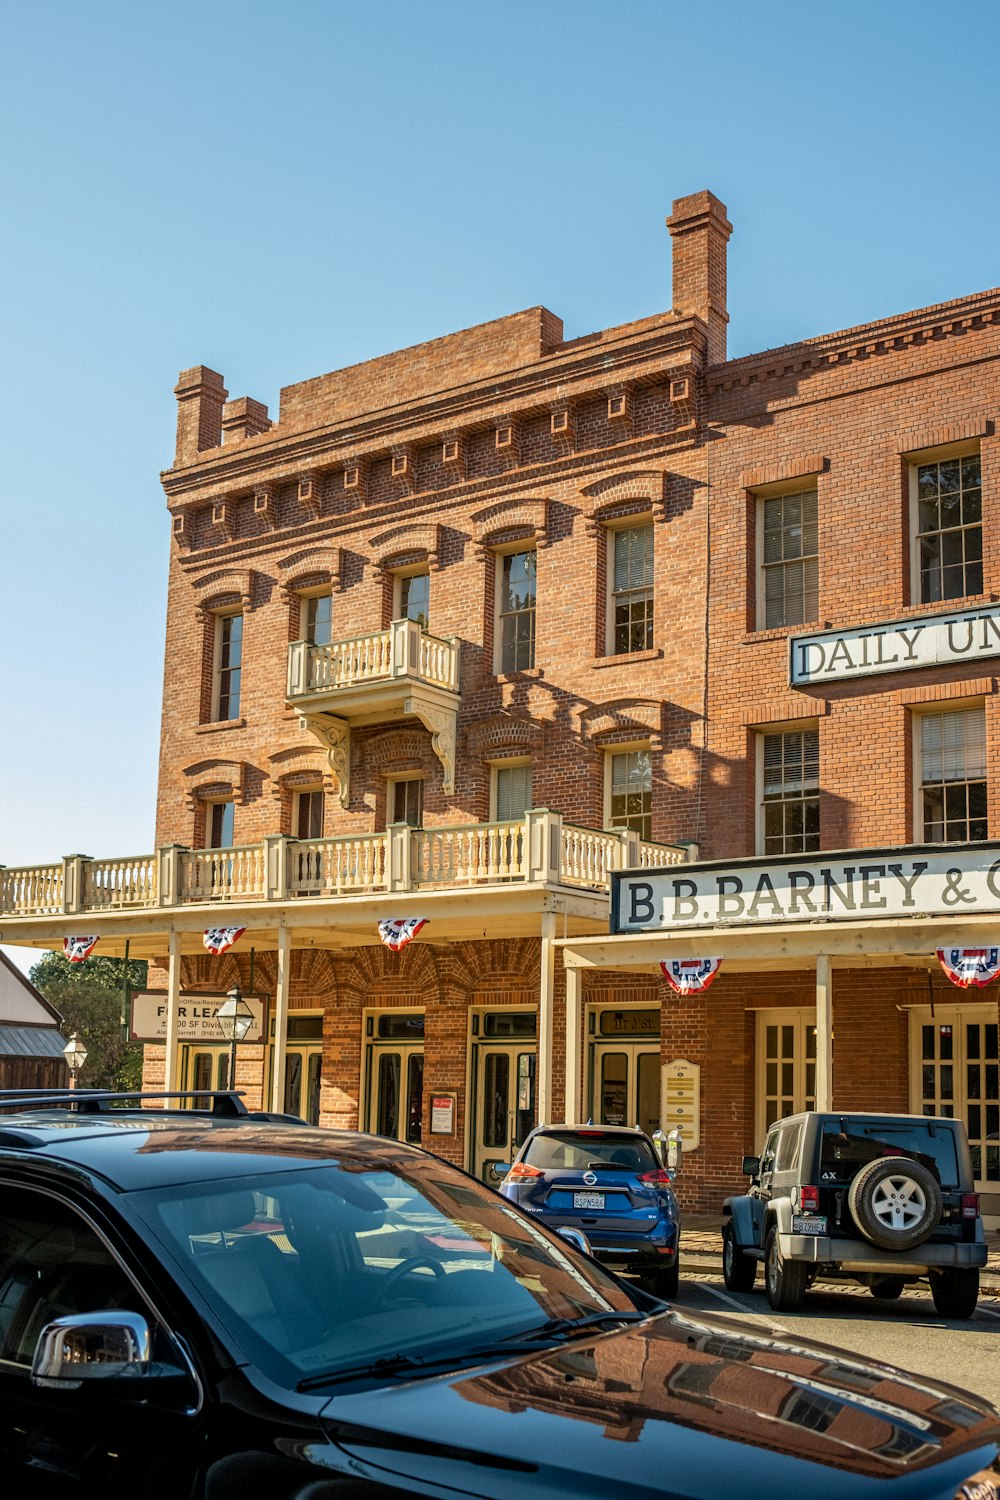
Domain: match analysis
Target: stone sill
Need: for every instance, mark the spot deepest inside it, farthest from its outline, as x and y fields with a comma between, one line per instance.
x=626, y=658
x=220, y=724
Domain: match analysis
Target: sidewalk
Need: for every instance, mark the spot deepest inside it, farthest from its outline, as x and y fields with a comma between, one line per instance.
x=701, y=1249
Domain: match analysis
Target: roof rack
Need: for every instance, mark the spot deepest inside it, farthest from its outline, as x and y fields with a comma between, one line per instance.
x=225, y=1103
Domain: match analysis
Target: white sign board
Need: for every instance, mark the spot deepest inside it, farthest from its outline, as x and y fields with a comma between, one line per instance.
x=864, y=650
x=196, y=1017
x=935, y=880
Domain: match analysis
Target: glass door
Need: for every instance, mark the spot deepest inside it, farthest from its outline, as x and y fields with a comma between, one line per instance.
x=303, y=1070
x=394, y=1070
x=626, y=1085
x=786, y=1065
x=504, y=1104
x=955, y=1070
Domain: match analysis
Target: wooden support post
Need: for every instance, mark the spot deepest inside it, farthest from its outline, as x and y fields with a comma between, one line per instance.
x=281, y=1018
x=546, y=993
x=574, y=987
x=171, y=1066
x=824, y=1032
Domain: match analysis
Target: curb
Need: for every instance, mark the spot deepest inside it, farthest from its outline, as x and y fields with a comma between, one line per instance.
x=702, y=1261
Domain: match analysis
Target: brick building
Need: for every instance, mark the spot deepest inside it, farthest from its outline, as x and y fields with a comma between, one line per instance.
x=469, y=628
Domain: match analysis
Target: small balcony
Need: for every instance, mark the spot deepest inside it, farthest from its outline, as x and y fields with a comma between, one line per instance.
x=370, y=679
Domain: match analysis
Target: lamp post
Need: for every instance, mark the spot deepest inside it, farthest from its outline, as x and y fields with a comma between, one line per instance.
x=75, y=1054
x=235, y=1019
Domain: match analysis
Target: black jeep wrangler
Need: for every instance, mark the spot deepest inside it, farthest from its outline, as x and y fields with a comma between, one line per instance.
x=878, y=1199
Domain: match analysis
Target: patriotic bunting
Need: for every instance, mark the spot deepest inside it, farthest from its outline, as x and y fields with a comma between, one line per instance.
x=968, y=966
x=77, y=949
x=218, y=939
x=689, y=976
x=396, y=932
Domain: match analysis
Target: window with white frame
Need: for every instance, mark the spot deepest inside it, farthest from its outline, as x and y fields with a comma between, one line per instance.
x=631, y=573
x=227, y=664
x=946, y=504
x=219, y=825
x=788, y=547
x=316, y=621
x=412, y=598
x=511, y=791
x=516, y=590
x=952, y=776
x=788, y=777
x=629, y=790
x=405, y=801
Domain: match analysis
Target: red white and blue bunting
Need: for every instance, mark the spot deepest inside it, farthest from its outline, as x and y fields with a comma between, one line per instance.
x=77, y=949
x=218, y=939
x=970, y=966
x=396, y=932
x=689, y=976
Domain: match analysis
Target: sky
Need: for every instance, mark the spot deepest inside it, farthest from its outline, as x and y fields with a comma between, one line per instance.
x=278, y=191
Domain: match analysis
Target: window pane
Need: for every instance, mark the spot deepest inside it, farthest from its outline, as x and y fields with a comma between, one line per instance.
x=790, y=792
x=517, y=612
x=318, y=619
x=230, y=649
x=513, y=792
x=632, y=792
x=949, y=528
x=790, y=559
x=953, y=776
x=414, y=598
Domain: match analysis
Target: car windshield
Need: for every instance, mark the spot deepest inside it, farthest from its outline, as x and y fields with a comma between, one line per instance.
x=576, y=1150
x=330, y=1267
x=850, y=1143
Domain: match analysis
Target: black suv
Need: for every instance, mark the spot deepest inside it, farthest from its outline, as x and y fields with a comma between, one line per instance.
x=196, y=1306
x=878, y=1199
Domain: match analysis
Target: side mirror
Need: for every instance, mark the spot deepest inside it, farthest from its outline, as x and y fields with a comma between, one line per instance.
x=499, y=1169
x=751, y=1166
x=92, y=1346
x=577, y=1239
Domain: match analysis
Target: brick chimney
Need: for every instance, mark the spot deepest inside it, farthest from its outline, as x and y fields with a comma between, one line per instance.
x=700, y=231
x=201, y=396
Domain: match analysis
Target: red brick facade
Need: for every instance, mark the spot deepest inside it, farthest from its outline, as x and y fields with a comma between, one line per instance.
x=508, y=437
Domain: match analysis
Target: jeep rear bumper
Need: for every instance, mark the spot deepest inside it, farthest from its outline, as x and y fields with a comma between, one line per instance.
x=859, y=1255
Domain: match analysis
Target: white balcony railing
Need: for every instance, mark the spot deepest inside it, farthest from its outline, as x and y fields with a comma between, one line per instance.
x=538, y=848
x=404, y=650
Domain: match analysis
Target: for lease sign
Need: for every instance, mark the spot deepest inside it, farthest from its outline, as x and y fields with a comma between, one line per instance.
x=842, y=886
x=865, y=650
x=196, y=1017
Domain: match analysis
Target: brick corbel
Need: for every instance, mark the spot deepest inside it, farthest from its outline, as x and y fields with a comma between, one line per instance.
x=682, y=397
x=562, y=426
x=621, y=411
x=355, y=481
x=181, y=528
x=404, y=470
x=507, y=441
x=223, y=515
x=309, y=490
x=265, y=505
x=453, y=455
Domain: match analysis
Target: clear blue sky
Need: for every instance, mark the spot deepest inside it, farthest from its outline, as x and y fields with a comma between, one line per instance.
x=276, y=191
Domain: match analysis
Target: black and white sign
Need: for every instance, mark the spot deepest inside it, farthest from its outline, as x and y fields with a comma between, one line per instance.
x=196, y=1017
x=900, y=646
x=850, y=885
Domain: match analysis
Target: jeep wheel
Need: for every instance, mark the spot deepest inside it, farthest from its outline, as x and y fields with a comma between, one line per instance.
x=895, y=1202
x=888, y=1287
x=955, y=1293
x=784, y=1280
x=739, y=1271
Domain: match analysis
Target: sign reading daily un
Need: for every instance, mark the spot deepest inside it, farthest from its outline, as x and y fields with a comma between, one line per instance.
x=923, y=641
x=852, y=885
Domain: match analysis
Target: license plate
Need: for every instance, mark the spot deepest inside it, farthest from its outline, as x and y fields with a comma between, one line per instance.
x=588, y=1200
x=811, y=1225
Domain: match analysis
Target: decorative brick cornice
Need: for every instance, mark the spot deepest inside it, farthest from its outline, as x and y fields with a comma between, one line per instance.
x=311, y=566
x=407, y=540
x=508, y=520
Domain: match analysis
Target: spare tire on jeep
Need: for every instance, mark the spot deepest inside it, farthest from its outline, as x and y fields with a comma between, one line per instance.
x=895, y=1202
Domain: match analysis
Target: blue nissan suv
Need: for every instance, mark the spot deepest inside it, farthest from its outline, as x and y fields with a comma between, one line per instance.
x=608, y=1182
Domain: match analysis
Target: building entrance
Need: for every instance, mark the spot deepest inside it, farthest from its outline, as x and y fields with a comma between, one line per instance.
x=503, y=1087
x=625, y=1066
x=394, y=1075
x=955, y=1071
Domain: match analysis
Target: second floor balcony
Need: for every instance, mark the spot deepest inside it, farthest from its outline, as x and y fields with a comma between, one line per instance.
x=538, y=849
x=369, y=679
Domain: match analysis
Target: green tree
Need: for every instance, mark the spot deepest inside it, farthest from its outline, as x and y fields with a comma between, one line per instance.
x=89, y=996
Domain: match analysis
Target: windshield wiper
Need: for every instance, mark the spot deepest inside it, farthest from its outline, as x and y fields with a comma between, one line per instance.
x=589, y=1320
x=404, y=1364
